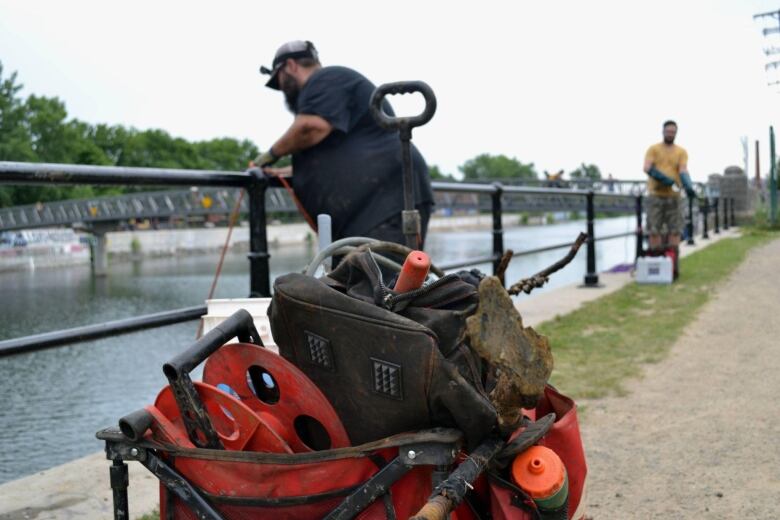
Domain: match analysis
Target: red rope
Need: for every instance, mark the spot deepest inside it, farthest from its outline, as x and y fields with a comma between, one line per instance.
x=298, y=204
x=233, y=219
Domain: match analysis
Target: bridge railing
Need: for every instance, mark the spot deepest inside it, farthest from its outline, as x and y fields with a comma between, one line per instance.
x=547, y=199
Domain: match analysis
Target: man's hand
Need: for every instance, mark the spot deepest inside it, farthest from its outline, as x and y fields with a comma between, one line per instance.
x=660, y=177
x=685, y=179
x=266, y=158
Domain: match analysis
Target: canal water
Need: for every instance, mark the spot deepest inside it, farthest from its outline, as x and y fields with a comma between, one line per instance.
x=53, y=401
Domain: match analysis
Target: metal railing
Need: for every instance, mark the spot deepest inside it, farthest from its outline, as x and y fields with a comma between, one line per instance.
x=259, y=272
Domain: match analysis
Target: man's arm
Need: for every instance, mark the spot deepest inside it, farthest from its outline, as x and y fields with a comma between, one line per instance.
x=685, y=178
x=306, y=131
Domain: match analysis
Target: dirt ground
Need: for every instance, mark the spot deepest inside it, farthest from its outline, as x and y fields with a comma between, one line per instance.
x=699, y=435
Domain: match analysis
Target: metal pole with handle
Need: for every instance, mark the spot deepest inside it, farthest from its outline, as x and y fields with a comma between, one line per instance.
x=410, y=220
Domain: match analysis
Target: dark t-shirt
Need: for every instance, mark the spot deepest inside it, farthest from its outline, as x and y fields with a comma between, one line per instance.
x=355, y=174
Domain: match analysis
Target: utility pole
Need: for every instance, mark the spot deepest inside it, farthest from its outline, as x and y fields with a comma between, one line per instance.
x=770, y=30
x=774, y=16
x=772, y=178
x=758, y=173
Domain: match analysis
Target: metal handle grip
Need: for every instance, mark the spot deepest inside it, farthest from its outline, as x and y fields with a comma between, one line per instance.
x=239, y=324
x=402, y=87
x=196, y=420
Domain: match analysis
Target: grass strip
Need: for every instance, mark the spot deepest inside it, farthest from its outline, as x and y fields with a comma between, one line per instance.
x=605, y=342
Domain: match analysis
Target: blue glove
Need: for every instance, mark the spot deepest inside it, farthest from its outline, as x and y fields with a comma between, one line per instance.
x=660, y=177
x=685, y=178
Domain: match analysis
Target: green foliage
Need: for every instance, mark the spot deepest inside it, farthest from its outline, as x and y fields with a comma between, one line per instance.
x=586, y=171
x=37, y=129
x=496, y=167
x=436, y=175
x=154, y=515
x=762, y=220
x=606, y=341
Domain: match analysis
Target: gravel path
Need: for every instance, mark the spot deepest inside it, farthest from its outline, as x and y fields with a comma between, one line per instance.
x=699, y=435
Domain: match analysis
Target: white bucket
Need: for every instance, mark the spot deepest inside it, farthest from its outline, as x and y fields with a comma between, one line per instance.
x=219, y=310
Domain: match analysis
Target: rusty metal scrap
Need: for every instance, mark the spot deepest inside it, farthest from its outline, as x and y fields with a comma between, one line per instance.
x=542, y=277
x=521, y=357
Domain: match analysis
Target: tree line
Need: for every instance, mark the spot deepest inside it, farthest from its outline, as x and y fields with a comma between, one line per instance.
x=37, y=129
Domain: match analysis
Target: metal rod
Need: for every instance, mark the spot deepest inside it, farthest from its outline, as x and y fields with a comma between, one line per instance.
x=498, y=230
x=725, y=214
x=37, y=173
x=469, y=262
x=689, y=223
x=119, y=479
x=591, y=276
x=639, y=241
x=733, y=216
x=716, y=205
x=100, y=330
x=705, y=219
x=375, y=487
x=772, y=178
x=259, y=268
x=181, y=487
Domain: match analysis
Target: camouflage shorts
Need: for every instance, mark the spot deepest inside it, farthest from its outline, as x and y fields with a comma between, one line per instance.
x=664, y=215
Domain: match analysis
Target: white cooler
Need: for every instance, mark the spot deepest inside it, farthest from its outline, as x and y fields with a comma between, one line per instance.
x=219, y=310
x=654, y=270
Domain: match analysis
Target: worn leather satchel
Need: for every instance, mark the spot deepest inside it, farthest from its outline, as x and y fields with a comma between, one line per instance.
x=388, y=362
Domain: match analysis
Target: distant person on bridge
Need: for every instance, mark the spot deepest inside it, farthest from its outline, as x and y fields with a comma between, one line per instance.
x=666, y=164
x=343, y=163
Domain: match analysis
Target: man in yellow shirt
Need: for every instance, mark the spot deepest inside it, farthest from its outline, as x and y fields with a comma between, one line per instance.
x=666, y=164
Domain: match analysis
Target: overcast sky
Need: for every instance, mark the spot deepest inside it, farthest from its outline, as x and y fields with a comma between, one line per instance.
x=553, y=83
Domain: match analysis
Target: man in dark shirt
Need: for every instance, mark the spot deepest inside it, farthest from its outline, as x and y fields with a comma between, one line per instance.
x=343, y=163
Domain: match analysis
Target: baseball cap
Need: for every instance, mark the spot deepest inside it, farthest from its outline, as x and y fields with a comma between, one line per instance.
x=294, y=49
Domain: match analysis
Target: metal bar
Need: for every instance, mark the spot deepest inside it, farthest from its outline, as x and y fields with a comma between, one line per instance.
x=35, y=173
x=716, y=205
x=733, y=215
x=470, y=261
x=181, y=487
x=119, y=479
x=498, y=230
x=705, y=219
x=615, y=235
x=689, y=223
x=99, y=330
x=639, y=232
x=375, y=487
x=725, y=214
x=772, y=178
x=591, y=276
x=259, y=268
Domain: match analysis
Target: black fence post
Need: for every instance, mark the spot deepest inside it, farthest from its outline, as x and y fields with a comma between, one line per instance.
x=639, y=231
x=733, y=218
x=498, y=228
x=259, y=271
x=725, y=214
x=591, y=276
x=689, y=224
x=717, y=215
x=705, y=212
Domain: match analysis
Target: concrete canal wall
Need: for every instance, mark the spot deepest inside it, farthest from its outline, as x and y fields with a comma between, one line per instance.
x=172, y=242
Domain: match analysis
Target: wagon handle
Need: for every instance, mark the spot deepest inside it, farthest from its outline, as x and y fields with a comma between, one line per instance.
x=403, y=124
x=199, y=428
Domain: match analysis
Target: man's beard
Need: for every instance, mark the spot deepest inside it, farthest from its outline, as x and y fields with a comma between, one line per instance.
x=290, y=89
x=669, y=140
